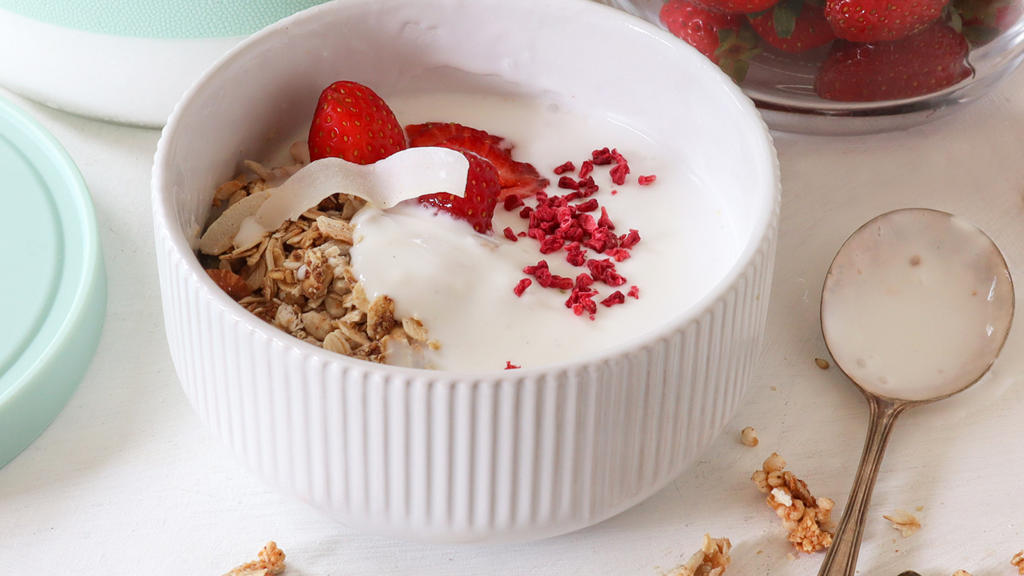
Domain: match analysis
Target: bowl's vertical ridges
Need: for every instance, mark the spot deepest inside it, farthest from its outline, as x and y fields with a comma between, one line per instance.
x=438, y=457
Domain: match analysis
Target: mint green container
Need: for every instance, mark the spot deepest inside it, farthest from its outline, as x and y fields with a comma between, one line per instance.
x=123, y=61
x=52, y=287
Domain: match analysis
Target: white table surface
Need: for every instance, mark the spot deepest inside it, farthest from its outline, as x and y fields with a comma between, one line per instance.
x=127, y=480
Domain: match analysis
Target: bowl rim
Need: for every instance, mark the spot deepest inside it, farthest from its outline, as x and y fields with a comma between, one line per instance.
x=763, y=223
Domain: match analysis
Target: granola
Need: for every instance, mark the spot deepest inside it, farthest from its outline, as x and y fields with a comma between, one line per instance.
x=711, y=560
x=904, y=521
x=1018, y=561
x=270, y=562
x=808, y=519
x=299, y=278
x=748, y=436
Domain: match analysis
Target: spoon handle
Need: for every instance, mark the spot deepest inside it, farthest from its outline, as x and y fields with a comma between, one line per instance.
x=841, y=559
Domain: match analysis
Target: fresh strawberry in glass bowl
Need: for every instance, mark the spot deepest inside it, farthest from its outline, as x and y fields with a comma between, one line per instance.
x=850, y=66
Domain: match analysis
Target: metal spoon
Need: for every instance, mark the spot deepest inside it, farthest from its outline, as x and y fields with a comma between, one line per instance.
x=916, y=307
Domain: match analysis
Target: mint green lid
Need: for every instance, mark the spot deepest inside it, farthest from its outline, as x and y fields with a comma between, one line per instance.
x=53, y=290
x=160, y=18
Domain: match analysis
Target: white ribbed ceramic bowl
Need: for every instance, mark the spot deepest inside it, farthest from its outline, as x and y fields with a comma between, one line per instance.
x=457, y=456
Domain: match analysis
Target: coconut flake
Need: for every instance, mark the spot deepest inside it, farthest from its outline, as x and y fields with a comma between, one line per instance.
x=402, y=176
x=221, y=233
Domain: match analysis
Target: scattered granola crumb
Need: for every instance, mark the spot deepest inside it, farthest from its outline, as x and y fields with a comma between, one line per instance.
x=919, y=508
x=904, y=521
x=822, y=363
x=270, y=562
x=1018, y=561
x=790, y=556
x=961, y=573
x=749, y=436
x=711, y=560
x=808, y=519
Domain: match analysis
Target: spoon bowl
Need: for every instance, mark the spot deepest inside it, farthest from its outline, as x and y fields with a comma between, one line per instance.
x=915, y=307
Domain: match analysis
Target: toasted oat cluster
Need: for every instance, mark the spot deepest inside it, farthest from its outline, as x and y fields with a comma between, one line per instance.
x=808, y=519
x=269, y=563
x=299, y=279
x=1018, y=561
x=903, y=521
x=711, y=560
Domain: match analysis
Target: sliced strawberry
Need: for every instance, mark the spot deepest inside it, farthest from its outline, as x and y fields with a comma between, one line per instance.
x=923, y=63
x=476, y=206
x=433, y=133
x=793, y=26
x=878, y=20
x=353, y=123
x=724, y=38
x=517, y=178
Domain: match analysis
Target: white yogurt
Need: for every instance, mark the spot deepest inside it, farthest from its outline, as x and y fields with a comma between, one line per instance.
x=460, y=284
x=916, y=305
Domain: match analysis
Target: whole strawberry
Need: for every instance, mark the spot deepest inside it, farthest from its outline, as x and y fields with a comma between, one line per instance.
x=877, y=20
x=353, y=123
x=926, y=62
x=724, y=38
x=476, y=205
x=793, y=26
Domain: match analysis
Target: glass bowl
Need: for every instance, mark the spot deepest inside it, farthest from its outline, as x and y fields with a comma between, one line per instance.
x=951, y=57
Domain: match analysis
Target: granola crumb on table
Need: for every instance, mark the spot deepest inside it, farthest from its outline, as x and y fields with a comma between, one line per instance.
x=298, y=278
x=903, y=521
x=749, y=436
x=270, y=562
x=808, y=519
x=711, y=560
x=1018, y=561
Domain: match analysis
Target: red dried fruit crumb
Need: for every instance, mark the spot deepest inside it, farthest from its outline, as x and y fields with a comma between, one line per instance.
x=510, y=366
x=645, y=180
x=619, y=173
x=588, y=206
x=551, y=244
x=567, y=167
x=523, y=285
x=510, y=234
x=512, y=202
x=568, y=183
x=602, y=157
x=618, y=254
x=614, y=192
x=615, y=298
x=629, y=240
x=586, y=168
x=634, y=291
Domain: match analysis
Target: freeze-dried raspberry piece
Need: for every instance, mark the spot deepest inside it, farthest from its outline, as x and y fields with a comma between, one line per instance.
x=588, y=206
x=522, y=286
x=613, y=299
x=512, y=201
x=568, y=183
x=567, y=167
x=510, y=234
x=602, y=157
x=619, y=173
x=634, y=291
x=645, y=180
x=510, y=366
x=551, y=244
x=586, y=168
x=629, y=239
